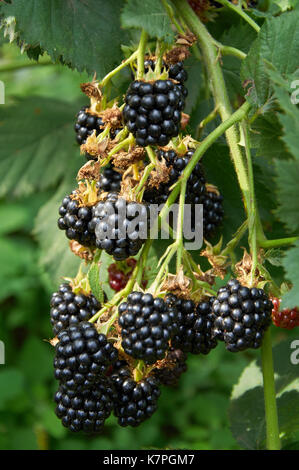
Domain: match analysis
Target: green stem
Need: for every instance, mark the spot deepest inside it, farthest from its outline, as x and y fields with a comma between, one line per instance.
x=140, y=55
x=240, y=12
x=235, y=241
x=180, y=225
x=172, y=17
x=124, y=64
x=273, y=441
x=233, y=51
x=278, y=242
x=210, y=57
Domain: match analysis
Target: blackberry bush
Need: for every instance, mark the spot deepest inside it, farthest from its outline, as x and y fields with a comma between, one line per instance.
x=68, y=308
x=136, y=401
x=153, y=111
x=147, y=325
x=242, y=315
x=82, y=356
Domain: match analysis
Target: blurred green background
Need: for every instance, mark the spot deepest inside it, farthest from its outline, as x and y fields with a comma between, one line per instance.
x=193, y=415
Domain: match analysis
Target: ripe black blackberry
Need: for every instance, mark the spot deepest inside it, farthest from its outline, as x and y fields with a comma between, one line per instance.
x=110, y=180
x=153, y=111
x=74, y=220
x=195, y=325
x=175, y=367
x=82, y=356
x=147, y=325
x=136, y=401
x=115, y=230
x=68, y=308
x=196, y=188
x=86, y=123
x=241, y=316
x=87, y=410
x=212, y=212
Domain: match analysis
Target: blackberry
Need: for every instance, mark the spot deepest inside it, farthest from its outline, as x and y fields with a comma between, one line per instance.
x=74, y=220
x=82, y=356
x=212, y=212
x=195, y=325
x=147, y=325
x=153, y=111
x=119, y=277
x=136, y=401
x=69, y=308
x=196, y=183
x=86, y=123
x=87, y=410
x=110, y=180
x=174, y=368
x=116, y=230
x=241, y=316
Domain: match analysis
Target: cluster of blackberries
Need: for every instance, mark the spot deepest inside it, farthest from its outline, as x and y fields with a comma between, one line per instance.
x=153, y=111
x=196, y=191
x=115, y=230
x=68, y=308
x=147, y=325
x=241, y=316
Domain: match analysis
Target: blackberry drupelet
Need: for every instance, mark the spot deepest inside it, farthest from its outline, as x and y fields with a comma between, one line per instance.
x=241, y=316
x=68, y=308
x=196, y=183
x=147, y=325
x=82, y=356
x=153, y=111
x=136, y=401
x=174, y=368
x=115, y=229
x=195, y=325
x=110, y=180
x=287, y=318
x=74, y=220
x=87, y=410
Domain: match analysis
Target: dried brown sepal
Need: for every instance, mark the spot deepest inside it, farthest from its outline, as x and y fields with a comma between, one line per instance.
x=177, y=284
x=94, y=147
x=244, y=271
x=91, y=90
x=86, y=194
x=112, y=116
x=177, y=54
x=89, y=171
x=186, y=39
x=218, y=262
x=123, y=160
x=82, y=251
x=159, y=175
x=185, y=118
x=53, y=341
x=208, y=277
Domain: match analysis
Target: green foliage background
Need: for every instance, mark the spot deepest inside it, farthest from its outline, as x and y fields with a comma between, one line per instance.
x=38, y=164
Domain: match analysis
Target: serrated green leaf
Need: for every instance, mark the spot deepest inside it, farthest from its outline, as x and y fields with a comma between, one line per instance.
x=277, y=43
x=84, y=35
x=246, y=411
x=36, y=144
x=149, y=15
x=287, y=191
x=95, y=283
x=290, y=264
